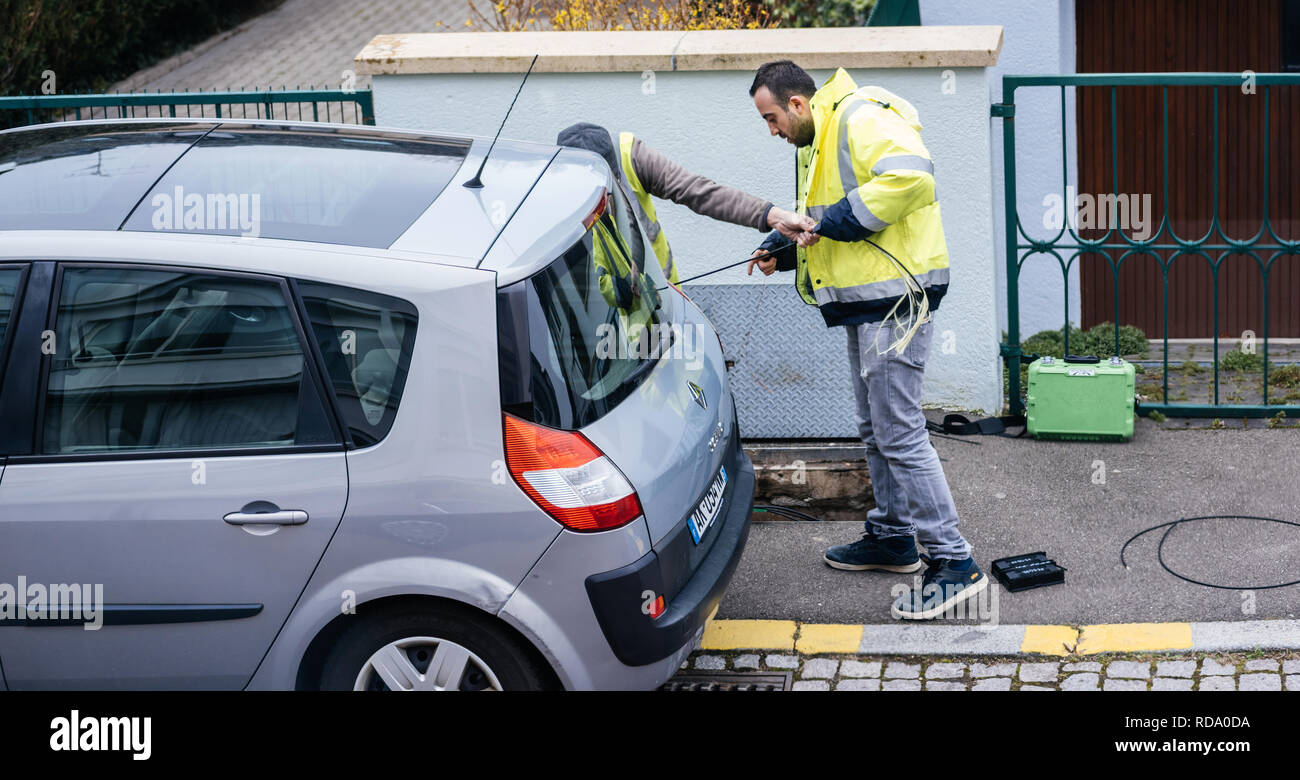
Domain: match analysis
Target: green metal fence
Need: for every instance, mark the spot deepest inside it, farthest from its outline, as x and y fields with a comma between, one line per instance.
x=1020, y=245
x=307, y=105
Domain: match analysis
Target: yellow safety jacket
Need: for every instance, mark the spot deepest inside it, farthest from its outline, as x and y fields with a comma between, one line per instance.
x=645, y=208
x=868, y=149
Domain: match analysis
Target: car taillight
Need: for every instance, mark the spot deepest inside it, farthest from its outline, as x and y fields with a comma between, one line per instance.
x=597, y=212
x=568, y=477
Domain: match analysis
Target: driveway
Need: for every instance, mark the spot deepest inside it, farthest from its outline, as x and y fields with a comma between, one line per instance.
x=301, y=43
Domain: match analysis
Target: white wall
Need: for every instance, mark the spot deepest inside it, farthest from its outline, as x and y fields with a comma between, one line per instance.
x=1037, y=38
x=706, y=121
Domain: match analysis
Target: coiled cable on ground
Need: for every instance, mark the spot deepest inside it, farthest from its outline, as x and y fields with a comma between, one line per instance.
x=1172, y=524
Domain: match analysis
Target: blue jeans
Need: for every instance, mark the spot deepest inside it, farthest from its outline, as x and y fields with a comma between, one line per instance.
x=912, y=495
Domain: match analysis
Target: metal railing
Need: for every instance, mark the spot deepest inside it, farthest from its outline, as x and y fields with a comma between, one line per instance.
x=1020, y=245
x=307, y=105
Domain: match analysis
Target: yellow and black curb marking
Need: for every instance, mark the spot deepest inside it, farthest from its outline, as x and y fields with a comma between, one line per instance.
x=973, y=639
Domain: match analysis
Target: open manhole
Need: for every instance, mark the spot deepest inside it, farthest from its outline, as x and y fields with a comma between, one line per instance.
x=728, y=681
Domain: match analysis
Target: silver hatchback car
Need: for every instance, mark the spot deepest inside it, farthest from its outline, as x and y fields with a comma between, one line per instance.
x=291, y=406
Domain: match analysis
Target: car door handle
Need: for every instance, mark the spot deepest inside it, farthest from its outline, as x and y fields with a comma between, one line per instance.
x=281, y=517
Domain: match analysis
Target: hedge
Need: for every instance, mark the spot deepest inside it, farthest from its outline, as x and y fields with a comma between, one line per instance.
x=89, y=44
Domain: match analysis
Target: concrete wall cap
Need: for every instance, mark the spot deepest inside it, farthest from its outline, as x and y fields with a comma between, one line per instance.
x=594, y=52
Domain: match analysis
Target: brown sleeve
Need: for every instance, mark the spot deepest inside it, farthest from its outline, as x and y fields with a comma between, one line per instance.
x=664, y=178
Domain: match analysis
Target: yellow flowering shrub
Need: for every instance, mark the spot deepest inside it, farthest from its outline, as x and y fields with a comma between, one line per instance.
x=516, y=15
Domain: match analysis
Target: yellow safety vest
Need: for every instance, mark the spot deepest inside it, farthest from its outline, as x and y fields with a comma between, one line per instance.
x=610, y=255
x=868, y=148
x=645, y=209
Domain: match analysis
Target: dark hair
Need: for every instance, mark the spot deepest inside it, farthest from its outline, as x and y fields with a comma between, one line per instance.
x=783, y=78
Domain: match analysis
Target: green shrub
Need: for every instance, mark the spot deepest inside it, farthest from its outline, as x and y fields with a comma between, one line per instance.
x=831, y=13
x=1284, y=376
x=89, y=44
x=1048, y=342
x=1098, y=340
x=1236, y=360
x=1151, y=391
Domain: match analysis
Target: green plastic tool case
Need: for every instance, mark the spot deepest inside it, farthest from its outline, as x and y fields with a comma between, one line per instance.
x=1084, y=398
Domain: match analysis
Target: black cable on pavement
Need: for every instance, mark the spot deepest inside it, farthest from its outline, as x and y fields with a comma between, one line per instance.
x=1172, y=524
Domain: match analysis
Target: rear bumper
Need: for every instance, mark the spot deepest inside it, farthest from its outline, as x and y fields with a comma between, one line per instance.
x=635, y=637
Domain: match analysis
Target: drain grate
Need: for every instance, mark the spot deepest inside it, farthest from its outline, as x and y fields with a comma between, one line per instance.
x=729, y=681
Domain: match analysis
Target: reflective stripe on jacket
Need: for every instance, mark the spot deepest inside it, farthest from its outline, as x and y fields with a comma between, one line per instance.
x=620, y=284
x=867, y=174
x=645, y=208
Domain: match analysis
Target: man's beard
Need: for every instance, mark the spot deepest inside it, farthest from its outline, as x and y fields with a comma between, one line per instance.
x=805, y=129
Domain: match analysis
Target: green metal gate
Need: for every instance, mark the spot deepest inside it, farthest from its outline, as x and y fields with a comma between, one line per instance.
x=307, y=105
x=1020, y=245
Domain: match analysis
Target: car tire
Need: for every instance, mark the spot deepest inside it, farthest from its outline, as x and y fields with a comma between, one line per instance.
x=398, y=650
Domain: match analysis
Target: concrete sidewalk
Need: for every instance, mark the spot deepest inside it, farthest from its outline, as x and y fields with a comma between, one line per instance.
x=1079, y=502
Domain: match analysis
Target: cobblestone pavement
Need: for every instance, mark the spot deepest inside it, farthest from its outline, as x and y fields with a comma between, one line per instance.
x=1170, y=672
x=298, y=44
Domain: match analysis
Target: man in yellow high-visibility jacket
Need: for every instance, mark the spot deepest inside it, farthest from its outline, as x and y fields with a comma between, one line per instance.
x=864, y=174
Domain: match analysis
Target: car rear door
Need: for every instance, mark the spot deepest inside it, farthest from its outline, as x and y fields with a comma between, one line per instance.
x=173, y=462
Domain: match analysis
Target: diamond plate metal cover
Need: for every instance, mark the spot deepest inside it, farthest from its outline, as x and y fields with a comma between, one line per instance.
x=791, y=373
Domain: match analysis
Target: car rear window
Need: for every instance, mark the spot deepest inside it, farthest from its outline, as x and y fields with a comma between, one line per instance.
x=579, y=336
x=331, y=185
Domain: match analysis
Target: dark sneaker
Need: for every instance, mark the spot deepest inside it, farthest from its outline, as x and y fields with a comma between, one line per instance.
x=891, y=553
x=946, y=584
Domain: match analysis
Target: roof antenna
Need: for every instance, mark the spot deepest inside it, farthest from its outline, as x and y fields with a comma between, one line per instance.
x=477, y=182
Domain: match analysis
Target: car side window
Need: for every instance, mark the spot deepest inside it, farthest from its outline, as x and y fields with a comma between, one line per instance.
x=366, y=341
x=147, y=359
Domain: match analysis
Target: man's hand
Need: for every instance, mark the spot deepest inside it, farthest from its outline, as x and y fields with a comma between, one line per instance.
x=807, y=238
x=790, y=224
x=767, y=264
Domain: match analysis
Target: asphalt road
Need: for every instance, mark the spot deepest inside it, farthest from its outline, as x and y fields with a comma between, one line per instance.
x=1019, y=495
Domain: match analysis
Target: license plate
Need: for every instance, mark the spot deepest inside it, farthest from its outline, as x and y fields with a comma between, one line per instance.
x=707, y=511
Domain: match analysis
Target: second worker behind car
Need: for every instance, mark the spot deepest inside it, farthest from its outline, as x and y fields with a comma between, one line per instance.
x=646, y=172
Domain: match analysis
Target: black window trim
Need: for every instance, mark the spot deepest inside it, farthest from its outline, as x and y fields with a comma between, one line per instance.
x=20, y=291
x=17, y=429
x=309, y=362
x=331, y=400
x=7, y=340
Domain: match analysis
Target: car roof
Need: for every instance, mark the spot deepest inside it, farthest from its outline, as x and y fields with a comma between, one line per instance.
x=351, y=185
